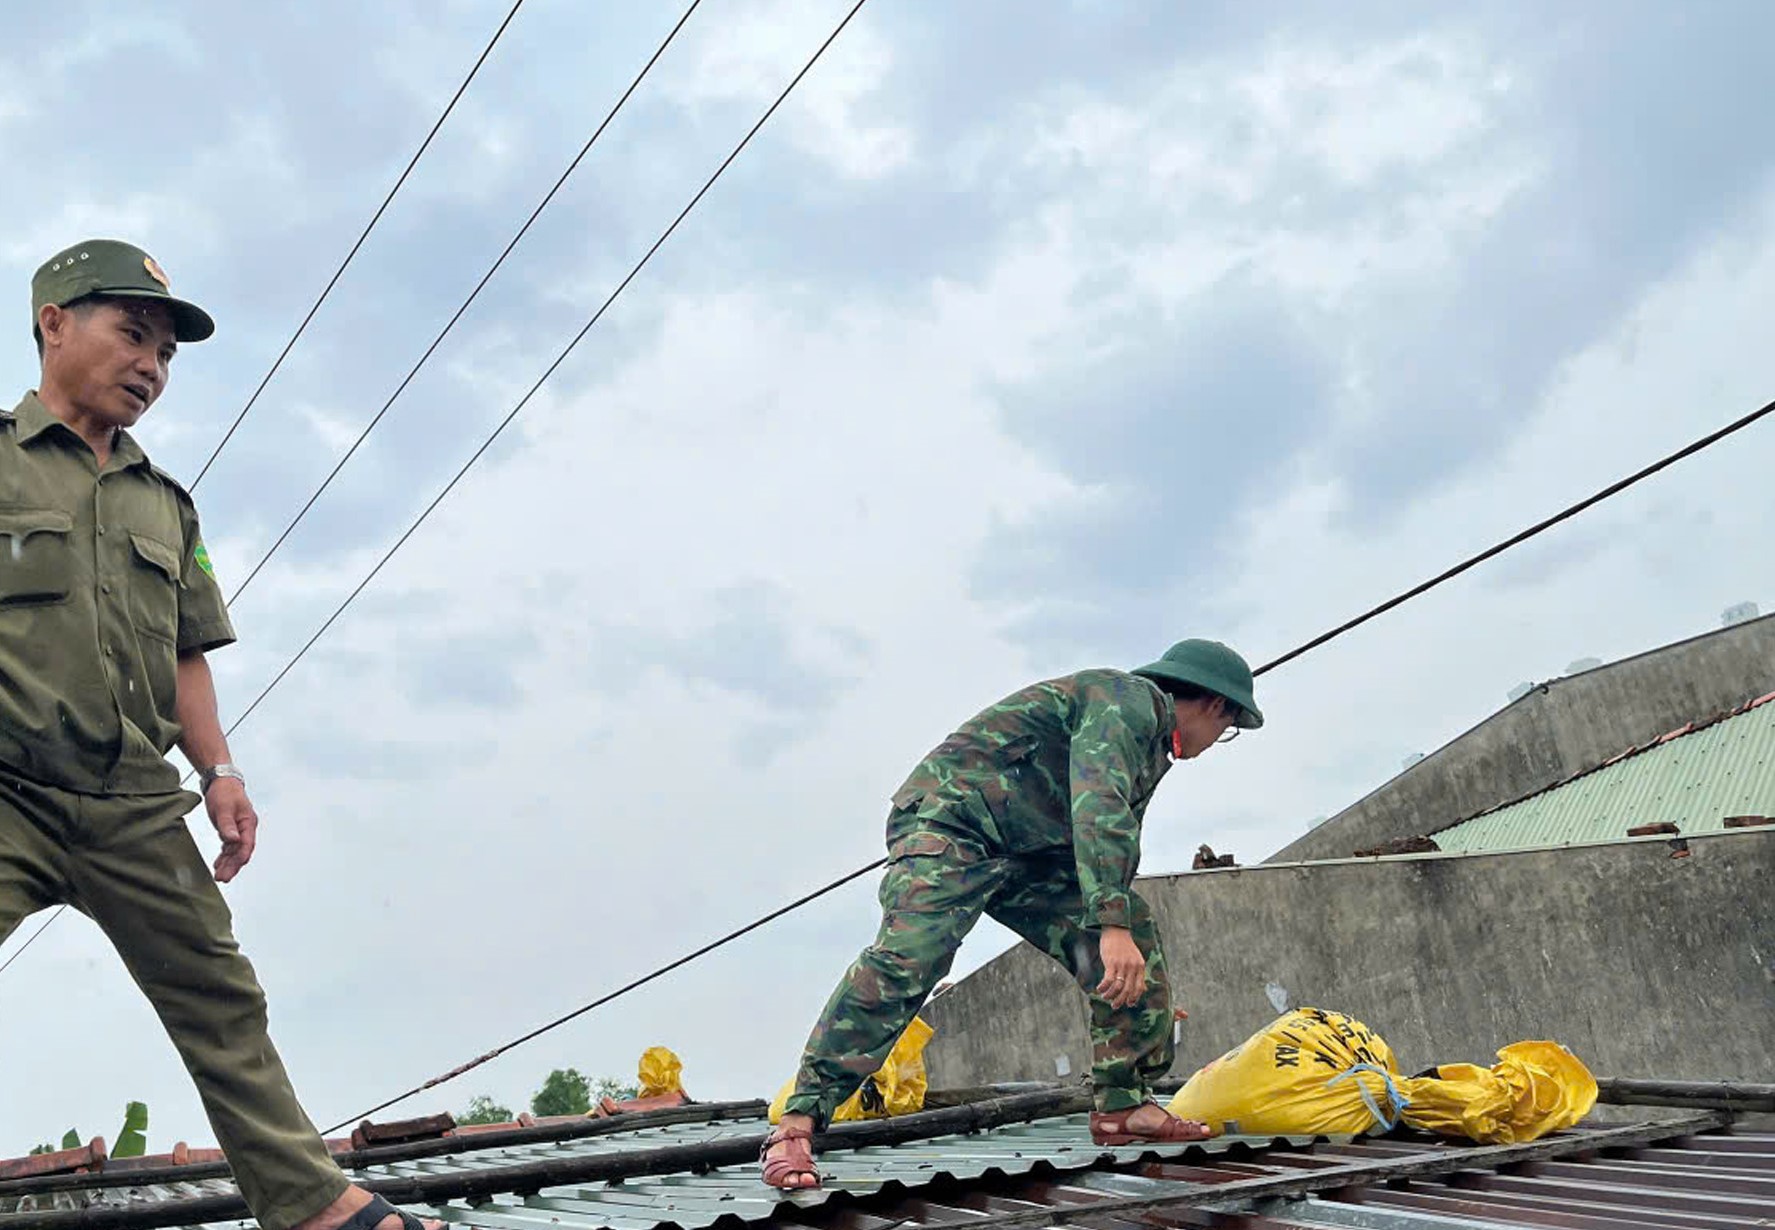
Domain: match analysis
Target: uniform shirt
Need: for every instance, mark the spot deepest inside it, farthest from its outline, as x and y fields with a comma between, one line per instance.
x=104, y=581
x=1066, y=764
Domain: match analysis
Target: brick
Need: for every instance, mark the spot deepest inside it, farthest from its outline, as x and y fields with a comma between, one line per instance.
x=401, y=1131
x=89, y=1156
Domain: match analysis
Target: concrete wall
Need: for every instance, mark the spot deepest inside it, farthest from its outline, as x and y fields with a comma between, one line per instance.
x=1563, y=727
x=1643, y=964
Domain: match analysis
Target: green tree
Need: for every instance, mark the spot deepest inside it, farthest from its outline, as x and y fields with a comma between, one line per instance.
x=610, y=1087
x=483, y=1109
x=565, y=1092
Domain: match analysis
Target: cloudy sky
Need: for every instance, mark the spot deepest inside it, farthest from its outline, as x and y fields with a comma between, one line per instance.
x=1027, y=337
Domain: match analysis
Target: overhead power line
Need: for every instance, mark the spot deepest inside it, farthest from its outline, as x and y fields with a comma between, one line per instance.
x=460, y=311
x=351, y=255
x=20, y=950
x=547, y=373
x=642, y=981
x=1564, y=514
x=1333, y=634
x=525, y=400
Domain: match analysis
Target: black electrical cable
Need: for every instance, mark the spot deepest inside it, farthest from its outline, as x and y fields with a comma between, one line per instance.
x=506, y=422
x=352, y=255
x=460, y=311
x=550, y=371
x=1564, y=514
x=1538, y=527
x=34, y=935
x=642, y=981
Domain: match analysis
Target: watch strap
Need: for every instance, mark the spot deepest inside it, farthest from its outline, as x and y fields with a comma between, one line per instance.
x=208, y=777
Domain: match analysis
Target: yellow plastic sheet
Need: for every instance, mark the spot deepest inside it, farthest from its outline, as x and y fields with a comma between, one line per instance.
x=661, y=1072
x=1307, y=1072
x=1533, y=1089
x=898, y=1088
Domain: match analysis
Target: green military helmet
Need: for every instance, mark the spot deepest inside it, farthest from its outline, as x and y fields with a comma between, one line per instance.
x=112, y=267
x=1214, y=667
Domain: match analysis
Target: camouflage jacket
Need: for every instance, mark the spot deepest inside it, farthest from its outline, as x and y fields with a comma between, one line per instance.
x=1068, y=763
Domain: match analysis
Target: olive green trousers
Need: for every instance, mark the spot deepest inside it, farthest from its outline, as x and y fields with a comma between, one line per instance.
x=130, y=864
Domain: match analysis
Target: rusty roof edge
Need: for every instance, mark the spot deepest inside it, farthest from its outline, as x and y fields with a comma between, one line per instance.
x=529, y=1177
x=355, y=1159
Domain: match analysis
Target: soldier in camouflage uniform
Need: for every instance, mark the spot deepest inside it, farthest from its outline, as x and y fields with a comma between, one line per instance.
x=1031, y=813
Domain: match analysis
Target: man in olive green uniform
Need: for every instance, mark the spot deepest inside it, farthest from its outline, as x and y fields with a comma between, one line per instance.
x=108, y=604
x=1031, y=813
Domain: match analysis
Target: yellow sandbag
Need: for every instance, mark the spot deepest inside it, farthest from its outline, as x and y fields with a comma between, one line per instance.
x=661, y=1072
x=897, y=1088
x=1309, y=1072
x=1533, y=1089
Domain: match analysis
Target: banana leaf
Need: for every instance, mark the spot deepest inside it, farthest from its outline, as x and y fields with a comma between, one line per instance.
x=132, y=1139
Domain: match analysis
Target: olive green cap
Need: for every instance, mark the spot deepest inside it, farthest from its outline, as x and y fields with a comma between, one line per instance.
x=1213, y=667
x=112, y=267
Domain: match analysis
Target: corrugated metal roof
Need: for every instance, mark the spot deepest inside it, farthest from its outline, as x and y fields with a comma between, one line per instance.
x=1047, y=1171
x=1693, y=779
x=693, y=1201
x=1713, y=1179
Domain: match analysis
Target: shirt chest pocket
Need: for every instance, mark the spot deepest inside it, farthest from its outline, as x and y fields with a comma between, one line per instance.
x=1001, y=785
x=36, y=556
x=154, y=587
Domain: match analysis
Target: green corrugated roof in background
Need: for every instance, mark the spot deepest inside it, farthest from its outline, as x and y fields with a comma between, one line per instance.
x=1693, y=781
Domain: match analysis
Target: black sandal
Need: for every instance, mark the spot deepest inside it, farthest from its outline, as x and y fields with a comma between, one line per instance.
x=371, y=1215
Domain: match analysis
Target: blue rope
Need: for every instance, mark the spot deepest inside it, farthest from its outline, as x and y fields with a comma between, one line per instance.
x=1397, y=1101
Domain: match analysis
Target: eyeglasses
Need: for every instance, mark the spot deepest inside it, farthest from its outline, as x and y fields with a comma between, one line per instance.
x=1228, y=735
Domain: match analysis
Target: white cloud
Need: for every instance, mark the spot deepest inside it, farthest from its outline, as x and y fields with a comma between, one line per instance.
x=814, y=478
x=1211, y=166
x=12, y=102
x=1653, y=565
x=748, y=53
x=331, y=429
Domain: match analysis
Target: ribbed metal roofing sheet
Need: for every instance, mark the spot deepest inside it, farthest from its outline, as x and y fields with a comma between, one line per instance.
x=1714, y=1179
x=1684, y=1174
x=1694, y=781
x=694, y=1201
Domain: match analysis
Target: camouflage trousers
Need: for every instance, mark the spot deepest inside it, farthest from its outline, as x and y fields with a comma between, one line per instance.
x=935, y=889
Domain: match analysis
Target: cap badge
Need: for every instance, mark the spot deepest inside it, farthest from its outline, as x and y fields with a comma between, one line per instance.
x=156, y=272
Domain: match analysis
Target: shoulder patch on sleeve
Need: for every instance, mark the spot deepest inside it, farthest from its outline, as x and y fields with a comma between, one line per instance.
x=202, y=556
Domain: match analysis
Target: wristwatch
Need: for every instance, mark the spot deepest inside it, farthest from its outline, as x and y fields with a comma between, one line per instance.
x=208, y=777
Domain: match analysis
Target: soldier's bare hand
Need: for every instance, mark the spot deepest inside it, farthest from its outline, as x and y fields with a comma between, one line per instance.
x=1124, y=969
x=237, y=824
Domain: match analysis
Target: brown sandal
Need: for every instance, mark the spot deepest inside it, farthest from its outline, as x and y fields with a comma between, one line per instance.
x=780, y=1171
x=1111, y=1128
